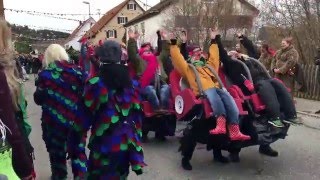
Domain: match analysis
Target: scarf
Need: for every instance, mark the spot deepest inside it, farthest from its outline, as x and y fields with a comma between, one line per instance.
x=197, y=63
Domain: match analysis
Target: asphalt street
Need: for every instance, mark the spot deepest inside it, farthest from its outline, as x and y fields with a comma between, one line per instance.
x=299, y=157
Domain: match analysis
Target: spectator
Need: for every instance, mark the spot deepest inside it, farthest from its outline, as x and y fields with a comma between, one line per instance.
x=9, y=93
x=286, y=59
x=266, y=56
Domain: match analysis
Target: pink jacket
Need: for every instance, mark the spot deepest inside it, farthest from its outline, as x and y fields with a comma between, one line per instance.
x=150, y=71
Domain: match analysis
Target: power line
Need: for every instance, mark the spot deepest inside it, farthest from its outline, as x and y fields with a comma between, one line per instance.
x=44, y=15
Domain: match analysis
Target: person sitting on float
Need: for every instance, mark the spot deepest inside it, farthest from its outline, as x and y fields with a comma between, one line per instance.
x=152, y=74
x=220, y=100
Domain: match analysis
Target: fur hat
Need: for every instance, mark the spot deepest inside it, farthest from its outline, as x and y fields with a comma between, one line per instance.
x=110, y=52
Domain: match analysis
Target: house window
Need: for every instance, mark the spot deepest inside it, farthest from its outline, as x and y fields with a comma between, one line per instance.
x=122, y=20
x=111, y=34
x=136, y=28
x=132, y=6
x=142, y=28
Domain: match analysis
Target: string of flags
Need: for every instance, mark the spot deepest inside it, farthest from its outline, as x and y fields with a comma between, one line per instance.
x=48, y=13
x=54, y=15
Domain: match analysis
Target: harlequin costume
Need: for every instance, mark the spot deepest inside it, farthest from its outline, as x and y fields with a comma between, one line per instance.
x=64, y=120
x=113, y=100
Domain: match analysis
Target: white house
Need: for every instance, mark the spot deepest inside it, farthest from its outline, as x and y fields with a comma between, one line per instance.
x=73, y=39
x=148, y=23
x=164, y=14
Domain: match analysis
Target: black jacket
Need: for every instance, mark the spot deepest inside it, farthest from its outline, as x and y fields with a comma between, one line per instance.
x=256, y=71
x=232, y=69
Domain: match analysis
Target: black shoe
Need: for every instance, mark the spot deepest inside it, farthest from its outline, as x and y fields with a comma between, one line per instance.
x=234, y=157
x=268, y=151
x=186, y=164
x=221, y=159
x=218, y=157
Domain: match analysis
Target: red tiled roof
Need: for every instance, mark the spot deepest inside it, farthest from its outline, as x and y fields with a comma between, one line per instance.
x=107, y=17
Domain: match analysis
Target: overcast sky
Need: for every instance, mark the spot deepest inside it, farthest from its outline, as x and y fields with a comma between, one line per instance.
x=57, y=6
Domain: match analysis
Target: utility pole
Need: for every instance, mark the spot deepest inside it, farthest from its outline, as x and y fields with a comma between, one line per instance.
x=2, y=9
x=99, y=12
x=88, y=3
x=146, y=4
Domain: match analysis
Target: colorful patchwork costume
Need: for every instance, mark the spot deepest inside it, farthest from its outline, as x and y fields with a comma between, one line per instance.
x=114, y=102
x=64, y=120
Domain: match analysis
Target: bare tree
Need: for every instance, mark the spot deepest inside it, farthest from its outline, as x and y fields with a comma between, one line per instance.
x=297, y=18
x=198, y=16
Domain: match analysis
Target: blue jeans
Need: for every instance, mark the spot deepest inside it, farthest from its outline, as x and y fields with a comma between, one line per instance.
x=223, y=104
x=3, y=177
x=150, y=95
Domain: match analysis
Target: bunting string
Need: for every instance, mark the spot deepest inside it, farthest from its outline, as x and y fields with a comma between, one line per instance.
x=47, y=13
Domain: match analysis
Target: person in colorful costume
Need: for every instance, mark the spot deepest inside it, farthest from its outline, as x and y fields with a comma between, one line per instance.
x=113, y=100
x=64, y=121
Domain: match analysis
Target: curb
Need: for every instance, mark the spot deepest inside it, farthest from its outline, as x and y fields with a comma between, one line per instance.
x=310, y=120
x=308, y=114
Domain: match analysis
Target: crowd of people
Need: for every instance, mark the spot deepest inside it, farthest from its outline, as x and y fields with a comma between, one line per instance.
x=103, y=94
x=28, y=64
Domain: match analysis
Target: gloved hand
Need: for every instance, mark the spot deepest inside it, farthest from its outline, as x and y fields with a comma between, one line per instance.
x=249, y=85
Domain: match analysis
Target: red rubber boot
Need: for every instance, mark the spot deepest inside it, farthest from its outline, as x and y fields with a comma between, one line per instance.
x=221, y=126
x=236, y=135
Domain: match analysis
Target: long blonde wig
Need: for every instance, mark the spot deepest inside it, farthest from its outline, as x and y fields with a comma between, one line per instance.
x=54, y=52
x=7, y=62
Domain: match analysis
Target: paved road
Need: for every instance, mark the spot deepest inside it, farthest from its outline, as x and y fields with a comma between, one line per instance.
x=299, y=157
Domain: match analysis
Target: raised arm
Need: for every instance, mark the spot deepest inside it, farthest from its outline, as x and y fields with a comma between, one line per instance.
x=159, y=42
x=165, y=52
x=224, y=57
x=134, y=58
x=214, y=60
x=183, y=46
x=179, y=63
x=248, y=44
